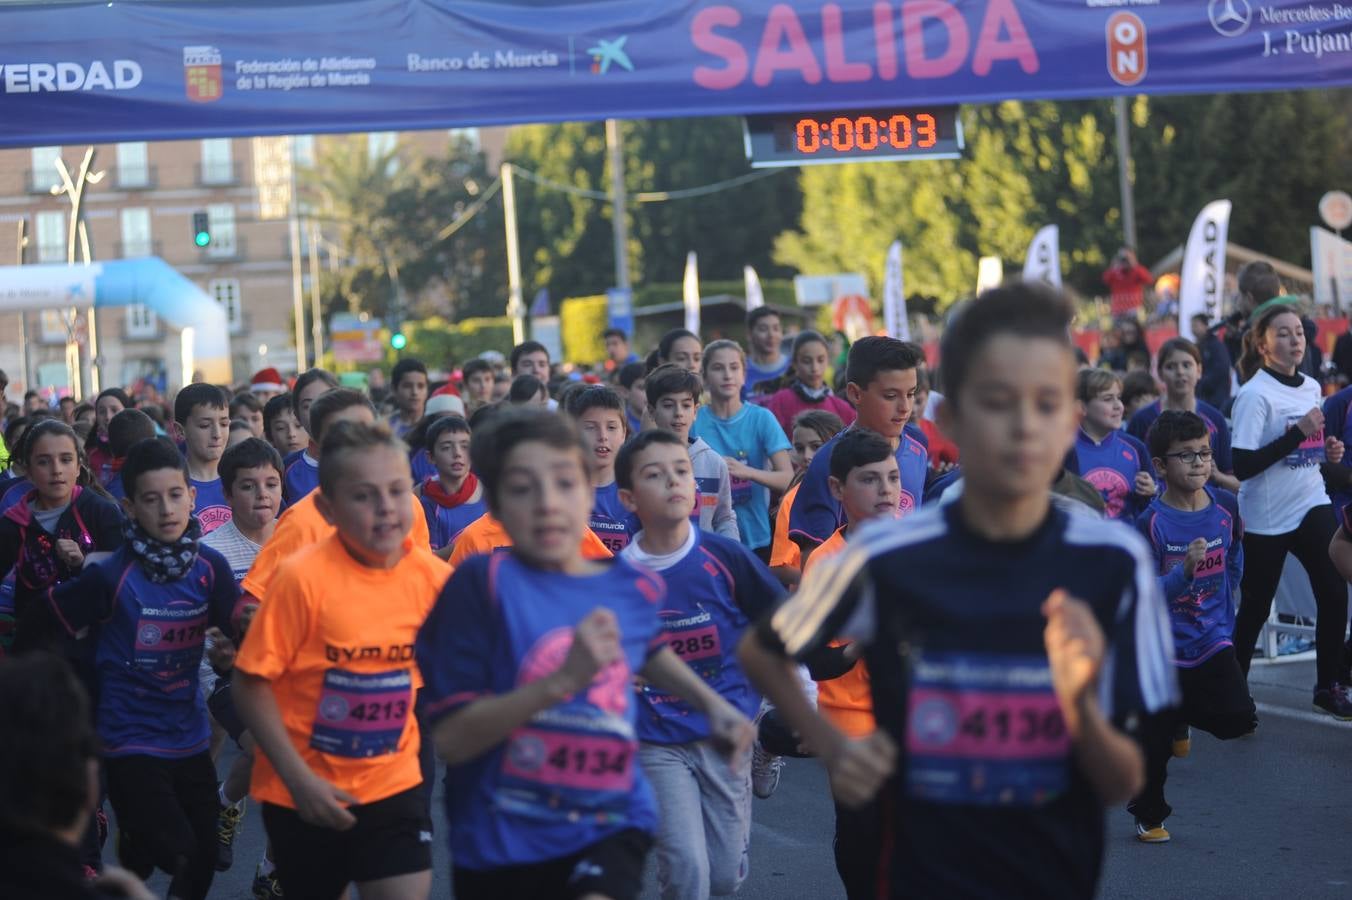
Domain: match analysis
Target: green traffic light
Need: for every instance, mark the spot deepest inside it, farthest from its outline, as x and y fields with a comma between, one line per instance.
x=398, y=341
x=203, y=238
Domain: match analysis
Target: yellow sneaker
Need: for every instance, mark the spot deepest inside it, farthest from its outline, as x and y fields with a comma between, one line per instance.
x=1182, y=742
x=1151, y=834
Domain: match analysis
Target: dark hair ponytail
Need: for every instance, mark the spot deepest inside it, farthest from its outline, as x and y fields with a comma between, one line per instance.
x=1251, y=359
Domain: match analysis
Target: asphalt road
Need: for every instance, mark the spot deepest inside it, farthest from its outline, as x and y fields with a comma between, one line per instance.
x=1265, y=816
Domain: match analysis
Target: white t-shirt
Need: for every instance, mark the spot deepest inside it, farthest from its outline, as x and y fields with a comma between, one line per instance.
x=238, y=550
x=1277, y=499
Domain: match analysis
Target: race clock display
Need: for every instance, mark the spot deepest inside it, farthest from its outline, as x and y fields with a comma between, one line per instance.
x=917, y=132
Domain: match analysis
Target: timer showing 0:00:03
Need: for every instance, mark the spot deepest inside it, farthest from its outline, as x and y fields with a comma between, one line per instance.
x=846, y=133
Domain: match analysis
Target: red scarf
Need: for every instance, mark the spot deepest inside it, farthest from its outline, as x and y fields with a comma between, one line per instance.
x=433, y=490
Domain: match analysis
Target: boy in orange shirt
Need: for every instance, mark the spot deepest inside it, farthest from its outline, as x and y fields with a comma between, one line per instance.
x=326, y=683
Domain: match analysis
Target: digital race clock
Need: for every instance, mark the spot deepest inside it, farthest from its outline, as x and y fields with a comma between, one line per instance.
x=918, y=132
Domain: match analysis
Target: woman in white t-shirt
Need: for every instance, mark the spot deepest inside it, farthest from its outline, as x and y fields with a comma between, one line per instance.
x=1279, y=445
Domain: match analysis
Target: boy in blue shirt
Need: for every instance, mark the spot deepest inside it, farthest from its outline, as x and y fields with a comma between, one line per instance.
x=881, y=386
x=302, y=466
x=528, y=658
x=1196, y=534
x=1012, y=648
x=149, y=605
x=599, y=413
x=202, y=413
x=715, y=589
x=409, y=381
x=673, y=402
x=126, y=429
x=453, y=497
x=1113, y=461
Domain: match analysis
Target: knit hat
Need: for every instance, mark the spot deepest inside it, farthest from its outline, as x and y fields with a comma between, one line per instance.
x=267, y=380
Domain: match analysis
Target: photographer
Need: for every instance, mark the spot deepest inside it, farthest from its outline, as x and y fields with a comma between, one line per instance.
x=1126, y=279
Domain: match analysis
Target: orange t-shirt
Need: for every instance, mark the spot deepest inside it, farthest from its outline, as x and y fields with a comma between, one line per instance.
x=335, y=639
x=783, y=551
x=847, y=701
x=301, y=526
x=486, y=534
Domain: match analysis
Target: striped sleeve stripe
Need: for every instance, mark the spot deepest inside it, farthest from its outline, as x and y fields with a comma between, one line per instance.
x=800, y=620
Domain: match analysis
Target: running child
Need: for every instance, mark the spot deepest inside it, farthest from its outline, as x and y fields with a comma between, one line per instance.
x=599, y=413
x=148, y=607
x=765, y=334
x=1196, y=535
x=679, y=347
x=478, y=380
x=811, y=431
x=881, y=384
x=109, y=403
x=752, y=444
x=282, y=428
x=326, y=684
x=632, y=387
x=203, y=416
x=248, y=408
x=1005, y=744
x=808, y=390
x=302, y=467
x=529, y=658
x=673, y=401
x=453, y=497
x=1180, y=368
x=943, y=453
x=127, y=429
x=715, y=589
x=409, y=382
x=1115, y=463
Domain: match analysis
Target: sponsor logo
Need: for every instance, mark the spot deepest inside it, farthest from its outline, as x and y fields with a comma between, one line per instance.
x=1126, y=48
x=1230, y=18
x=202, y=73
x=334, y=708
x=607, y=52
x=34, y=78
x=148, y=636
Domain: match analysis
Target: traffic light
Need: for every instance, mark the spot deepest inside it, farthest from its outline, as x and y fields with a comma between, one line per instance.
x=398, y=341
x=201, y=229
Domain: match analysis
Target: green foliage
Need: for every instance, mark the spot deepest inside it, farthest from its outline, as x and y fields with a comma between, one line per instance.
x=581, y=323
x=438, y=342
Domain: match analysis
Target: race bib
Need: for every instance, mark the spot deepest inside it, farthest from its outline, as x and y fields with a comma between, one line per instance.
x=588, y=762
x=741, y=491
x=167, y=642
x=985, y=730
x=362, y=715
x=1309, y=453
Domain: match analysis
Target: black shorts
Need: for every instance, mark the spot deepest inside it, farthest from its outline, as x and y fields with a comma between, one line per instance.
x=612, y=867
x=392, y=837
x=221, y=705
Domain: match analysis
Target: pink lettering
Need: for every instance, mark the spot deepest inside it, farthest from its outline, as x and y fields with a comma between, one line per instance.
x=838, y=69
x=782, y=25
x=704, y=37
x=885, y=39
x=1002, y=16
x=914, y=14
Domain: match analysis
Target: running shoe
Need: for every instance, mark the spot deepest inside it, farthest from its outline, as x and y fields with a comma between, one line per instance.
x=1333, y=702
x=1151, y=834
x=1182, y=742
x=229, y=823
x=266, y=887
x=765, y=769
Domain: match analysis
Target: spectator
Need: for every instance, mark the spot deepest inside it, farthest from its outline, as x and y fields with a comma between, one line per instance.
x=1126, y=279
x=617, y=348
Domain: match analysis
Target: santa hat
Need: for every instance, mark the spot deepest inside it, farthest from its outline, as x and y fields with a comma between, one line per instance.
x=441, y=403
x=266, y=380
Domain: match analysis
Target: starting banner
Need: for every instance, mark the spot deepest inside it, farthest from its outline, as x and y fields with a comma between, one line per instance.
x=89, y=72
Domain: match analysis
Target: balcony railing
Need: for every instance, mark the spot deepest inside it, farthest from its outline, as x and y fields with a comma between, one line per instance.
x=134, y=249
x=222, y=174
x=218, y=252
x=136, y=178
x=40, y=182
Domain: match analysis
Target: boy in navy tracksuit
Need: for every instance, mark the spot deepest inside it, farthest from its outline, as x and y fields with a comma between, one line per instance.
x=1196, y=533
x=1109, y=458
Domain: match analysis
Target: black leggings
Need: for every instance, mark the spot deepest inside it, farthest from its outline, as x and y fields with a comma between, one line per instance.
x=1264, y=556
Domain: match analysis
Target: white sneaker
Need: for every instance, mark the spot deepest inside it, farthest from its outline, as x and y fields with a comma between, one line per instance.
x=765, y=768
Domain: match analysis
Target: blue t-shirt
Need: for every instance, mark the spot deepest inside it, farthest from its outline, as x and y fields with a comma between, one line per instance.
x=1111, y=467
x=114, y=486
x=444, y=523
x=752, y=435
x=611, y=522
x=148, y=647
x=755, y=374
x=635, y=422
x=420, y=463
x=13, y=491
x=302, y=477
x=210, y=507
x=1217, y=430
x=816, y=514
x=1338, y=424
x=713, y=593
x=1202, y=610
x=569, y=777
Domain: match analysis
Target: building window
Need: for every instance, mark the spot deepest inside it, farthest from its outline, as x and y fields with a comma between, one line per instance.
x=381, y=145
x=44, y=173
x=133, y=169
x=304, y=149
x=221, y=217
x=142, y=322
x=51, y=236
x=52, y=326
x=217, y=165
x=136, y=239
x=226, y=292
x=468, y=136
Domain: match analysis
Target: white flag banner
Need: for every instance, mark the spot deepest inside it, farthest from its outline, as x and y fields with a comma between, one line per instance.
x=990, y=271
x=1044, y=257
x=755, y=298
x=894, y=296
x=690, y=292
x=1202, y=281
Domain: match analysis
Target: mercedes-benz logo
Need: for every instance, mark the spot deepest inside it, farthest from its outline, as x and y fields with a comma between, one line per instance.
x=1230, y=18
